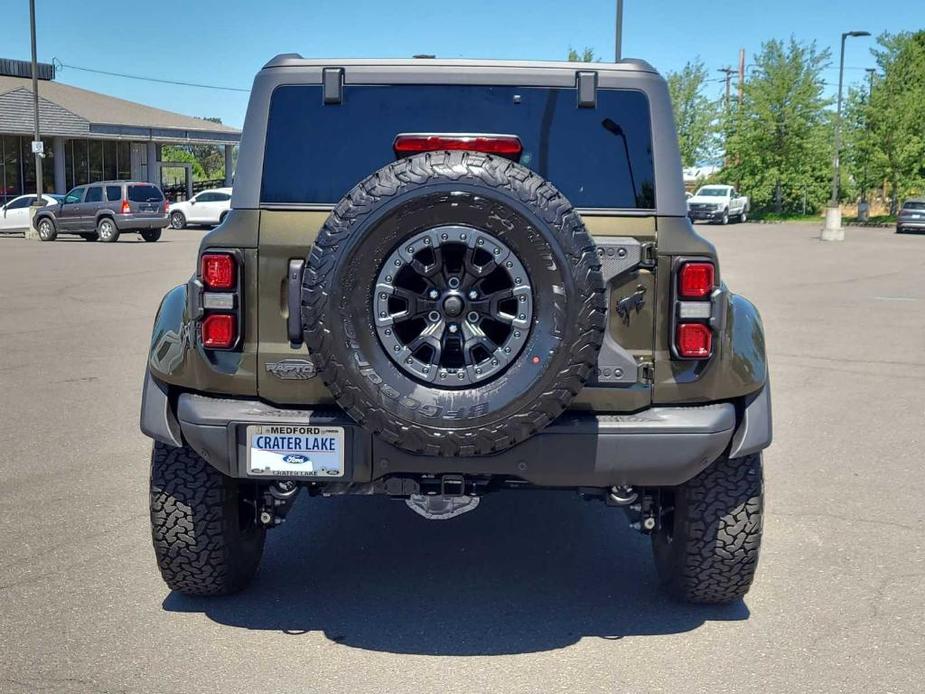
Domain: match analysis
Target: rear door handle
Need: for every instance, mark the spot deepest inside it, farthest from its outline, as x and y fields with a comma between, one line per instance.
x=294, y=299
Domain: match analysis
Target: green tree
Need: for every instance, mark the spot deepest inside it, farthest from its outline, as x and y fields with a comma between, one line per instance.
x=208, y=160
x=586, y=56
x=695, y=115
x=778, y=143
x=895, y=114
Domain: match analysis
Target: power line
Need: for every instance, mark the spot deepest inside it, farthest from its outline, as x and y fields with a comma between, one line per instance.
x=58, y=64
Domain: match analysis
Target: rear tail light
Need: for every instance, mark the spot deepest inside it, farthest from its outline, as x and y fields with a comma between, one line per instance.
x=126, y=208
x=166, y=206
x=694, y=340
x=696, y=280
x=218, y=271
x=504, y=145
x=219, y=331
x=220, y=300
x=694, y=308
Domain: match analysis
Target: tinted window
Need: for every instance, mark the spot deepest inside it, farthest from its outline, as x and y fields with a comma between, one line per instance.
x=600, y=157
x=206, y=197
x=142, y=193
x=113, y=193
x=221, y=197
x=914, y=206
x=94, y=194
x=22, y=202
x=75, y=195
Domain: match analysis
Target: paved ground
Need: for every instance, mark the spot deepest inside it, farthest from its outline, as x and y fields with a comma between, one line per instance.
x=532, y=592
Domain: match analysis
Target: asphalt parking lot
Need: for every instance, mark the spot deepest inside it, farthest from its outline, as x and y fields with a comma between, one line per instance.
x=533, y=592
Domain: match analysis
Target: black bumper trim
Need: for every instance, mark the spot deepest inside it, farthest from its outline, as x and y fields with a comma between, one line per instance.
x=660, y=446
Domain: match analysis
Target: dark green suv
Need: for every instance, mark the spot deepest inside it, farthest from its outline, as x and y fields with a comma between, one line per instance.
x=439, y=279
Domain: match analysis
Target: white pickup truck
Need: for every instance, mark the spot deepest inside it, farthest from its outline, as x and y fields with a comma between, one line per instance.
x=718, y=203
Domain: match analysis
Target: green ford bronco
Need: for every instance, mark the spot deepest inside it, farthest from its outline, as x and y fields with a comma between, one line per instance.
x=440, y=279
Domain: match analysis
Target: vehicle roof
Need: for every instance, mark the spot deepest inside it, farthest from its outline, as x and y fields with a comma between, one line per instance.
x=918, y=199
x=113, y=183
x=296, y=60
x=223, y=189
x=716, y=185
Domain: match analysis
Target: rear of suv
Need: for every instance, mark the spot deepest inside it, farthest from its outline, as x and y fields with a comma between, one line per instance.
x=105, y=210
x=440, y=279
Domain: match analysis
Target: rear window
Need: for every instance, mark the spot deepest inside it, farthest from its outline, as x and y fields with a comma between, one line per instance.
x=914, y=206
x=599, y=158
x=145, y=194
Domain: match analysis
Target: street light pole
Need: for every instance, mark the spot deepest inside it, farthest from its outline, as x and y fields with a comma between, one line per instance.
x=31, y=232
x=833, y=230
x=618, y=37
x=35, y=104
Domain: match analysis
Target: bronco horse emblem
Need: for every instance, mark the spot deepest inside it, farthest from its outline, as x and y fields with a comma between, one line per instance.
x=636, y=301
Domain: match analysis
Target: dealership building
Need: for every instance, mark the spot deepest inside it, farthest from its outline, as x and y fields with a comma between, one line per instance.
x=89, y=136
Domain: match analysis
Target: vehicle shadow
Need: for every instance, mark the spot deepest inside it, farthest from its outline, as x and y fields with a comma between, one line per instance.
x=524, y=572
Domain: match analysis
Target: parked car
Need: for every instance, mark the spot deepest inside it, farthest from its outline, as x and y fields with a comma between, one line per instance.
x=718, y=203
x=912, y=216
x=102, y=211
x=454, y=324
x=208, y=207
x=16, y=215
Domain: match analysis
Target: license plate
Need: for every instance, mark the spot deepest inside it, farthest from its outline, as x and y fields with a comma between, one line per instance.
x=295, y=451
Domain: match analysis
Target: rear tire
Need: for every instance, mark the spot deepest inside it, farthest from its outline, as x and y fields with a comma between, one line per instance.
x=177, y=220
x=47, y=230
x=151, y=235
x=206, y=537
x=107, y=231
x=706, y=549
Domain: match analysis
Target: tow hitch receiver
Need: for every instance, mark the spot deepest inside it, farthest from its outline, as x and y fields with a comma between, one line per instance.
x=452, y=500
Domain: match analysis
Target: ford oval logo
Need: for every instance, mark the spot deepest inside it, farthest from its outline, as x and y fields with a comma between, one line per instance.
x=295, y=459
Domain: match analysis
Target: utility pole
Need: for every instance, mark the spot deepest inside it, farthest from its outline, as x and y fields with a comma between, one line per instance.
x=35, y=112
x=618, y=37
x=741, y=76
x=729, y=72
x=833, y=229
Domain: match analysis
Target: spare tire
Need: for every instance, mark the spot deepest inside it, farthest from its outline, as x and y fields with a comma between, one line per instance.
x=453, y=303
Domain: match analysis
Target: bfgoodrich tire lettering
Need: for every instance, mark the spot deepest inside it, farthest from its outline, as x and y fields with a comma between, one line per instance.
x=205, y=537
x=706, y=550
x=496, y=197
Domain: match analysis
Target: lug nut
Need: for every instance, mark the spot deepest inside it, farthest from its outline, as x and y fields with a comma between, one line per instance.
x=473, y=294
x=433, y=294
x=453, y=328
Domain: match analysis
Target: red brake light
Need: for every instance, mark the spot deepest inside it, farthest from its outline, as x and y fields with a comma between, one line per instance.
x=696, y=280
x=126, y=208
x=166, y=206
x=694, y=340
x=219, y=331
x=217, y=271
x=505, y=145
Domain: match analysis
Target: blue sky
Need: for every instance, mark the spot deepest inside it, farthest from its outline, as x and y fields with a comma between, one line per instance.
x=225, y=43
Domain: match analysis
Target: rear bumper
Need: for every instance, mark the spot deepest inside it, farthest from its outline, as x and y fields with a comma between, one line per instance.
x=910, y=224
x=661, y=446
x=132, y=222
